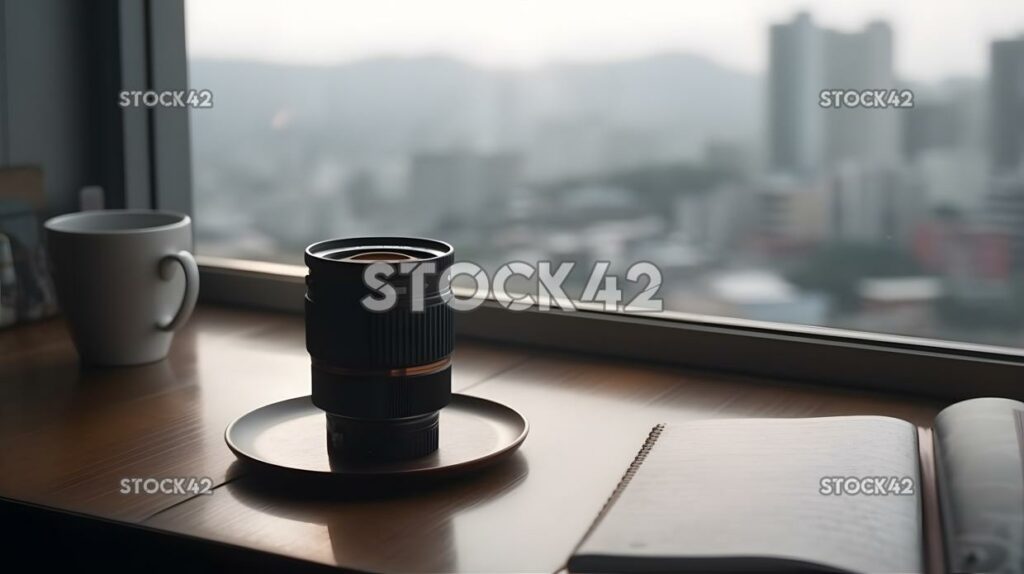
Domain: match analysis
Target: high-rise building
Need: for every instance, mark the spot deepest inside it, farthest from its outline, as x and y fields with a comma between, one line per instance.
x=789, y=215
x=874, y=204
x=804, y=60
x=861, y=61
x=1006, y=197
x=929, y=125
x=950, y=116
x=1005, y=213
x=1007, y=107
x=795, y=79
x=952, y=178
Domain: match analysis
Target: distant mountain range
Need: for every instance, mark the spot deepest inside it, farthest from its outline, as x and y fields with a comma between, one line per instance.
x=388, y=107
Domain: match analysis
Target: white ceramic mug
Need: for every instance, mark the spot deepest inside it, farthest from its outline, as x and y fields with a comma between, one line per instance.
x=125, y=280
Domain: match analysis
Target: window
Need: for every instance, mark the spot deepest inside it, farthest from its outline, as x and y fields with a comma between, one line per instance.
x=855, y=166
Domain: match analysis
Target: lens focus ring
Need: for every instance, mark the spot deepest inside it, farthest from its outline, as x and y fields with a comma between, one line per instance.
x=372, y=340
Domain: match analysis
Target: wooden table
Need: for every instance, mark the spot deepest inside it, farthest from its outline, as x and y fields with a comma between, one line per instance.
x=69, y=435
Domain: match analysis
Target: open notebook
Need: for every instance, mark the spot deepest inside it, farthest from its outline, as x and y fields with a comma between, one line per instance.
x=774, y=495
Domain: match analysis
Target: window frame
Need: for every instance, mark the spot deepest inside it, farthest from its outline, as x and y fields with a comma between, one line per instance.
x=808, y=354
x=945, y=370
x=156, y=146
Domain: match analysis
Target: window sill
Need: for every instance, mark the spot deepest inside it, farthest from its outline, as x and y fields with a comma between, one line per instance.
x=819, y=355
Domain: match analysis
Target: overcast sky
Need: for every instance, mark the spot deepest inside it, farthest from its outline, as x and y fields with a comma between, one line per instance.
x=934, y=38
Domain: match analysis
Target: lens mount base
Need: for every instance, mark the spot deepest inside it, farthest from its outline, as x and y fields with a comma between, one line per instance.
x=352, y=439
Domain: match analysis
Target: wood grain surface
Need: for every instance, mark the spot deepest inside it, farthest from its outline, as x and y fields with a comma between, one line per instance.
x=69, y=435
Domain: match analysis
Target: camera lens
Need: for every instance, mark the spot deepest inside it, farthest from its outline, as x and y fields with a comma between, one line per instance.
x=380, y=373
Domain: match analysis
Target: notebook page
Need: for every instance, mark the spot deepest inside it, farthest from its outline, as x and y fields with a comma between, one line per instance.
x=752, y=488
x=980, y=456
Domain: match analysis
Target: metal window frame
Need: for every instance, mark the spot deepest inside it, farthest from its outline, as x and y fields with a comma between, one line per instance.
x=156, y=148
x=817, y=355
x=4, y=87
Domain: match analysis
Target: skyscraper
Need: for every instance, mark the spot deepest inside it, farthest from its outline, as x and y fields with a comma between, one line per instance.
x=795, y=78
x=1007, y=109
x=874, y=204
x=806, y=59
x=930, y=125
x=1006, y=123
x=859, y=61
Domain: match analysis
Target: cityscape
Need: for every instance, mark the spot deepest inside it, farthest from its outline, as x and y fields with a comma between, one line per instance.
x=753, y=199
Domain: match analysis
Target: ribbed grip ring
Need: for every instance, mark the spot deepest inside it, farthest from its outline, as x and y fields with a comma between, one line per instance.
x=392, y=339
x=404, y=337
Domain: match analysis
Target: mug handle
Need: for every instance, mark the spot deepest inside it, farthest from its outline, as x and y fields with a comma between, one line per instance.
x=188, y=303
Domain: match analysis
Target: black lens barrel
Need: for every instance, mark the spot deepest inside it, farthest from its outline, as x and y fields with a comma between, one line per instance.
x=379, y=374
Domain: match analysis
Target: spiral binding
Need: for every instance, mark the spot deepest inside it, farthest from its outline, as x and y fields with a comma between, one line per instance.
x=624, y=481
